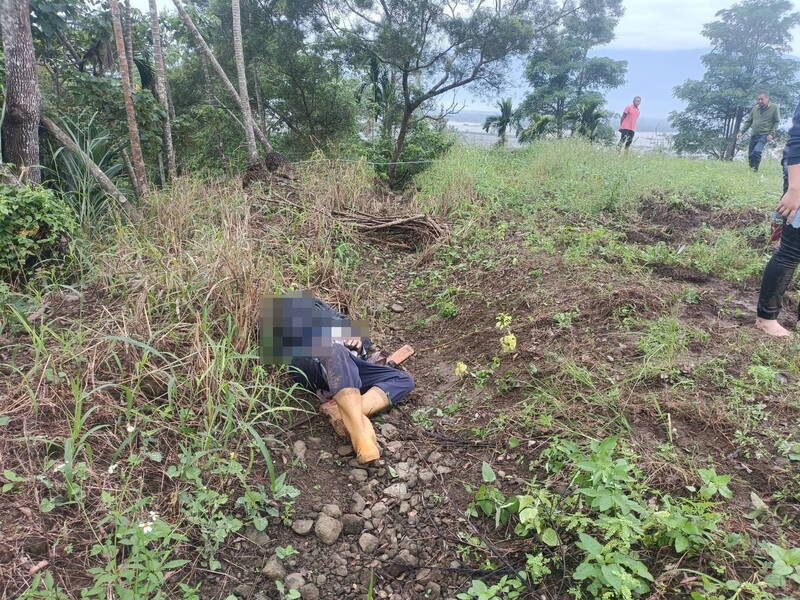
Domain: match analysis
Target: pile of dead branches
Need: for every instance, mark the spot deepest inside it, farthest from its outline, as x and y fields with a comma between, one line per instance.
x=403, y=231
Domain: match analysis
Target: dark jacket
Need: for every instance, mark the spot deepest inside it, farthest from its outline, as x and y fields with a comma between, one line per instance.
x=791, y=153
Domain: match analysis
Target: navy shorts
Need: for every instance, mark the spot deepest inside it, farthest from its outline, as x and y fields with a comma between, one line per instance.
x=344, y=370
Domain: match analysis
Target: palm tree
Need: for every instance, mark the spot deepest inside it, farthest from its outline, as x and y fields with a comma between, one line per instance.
x=161, y=87
x=133, y=130
x=247, y=114
x=536, y=128
x=586, y=117
x=501, y=122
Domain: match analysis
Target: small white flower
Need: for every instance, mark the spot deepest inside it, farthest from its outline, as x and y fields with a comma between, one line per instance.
x=112, y=467
x=60, y=467
x=147, y=526
x=130, y=428
x=153, y=515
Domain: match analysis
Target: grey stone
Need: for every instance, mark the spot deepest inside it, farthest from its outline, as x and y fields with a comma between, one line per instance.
x=314, y=442
x=294, y=581
x=404, y=556
x=332, y=510
x=344, y=450
x=443, y=470
x=302, y=526
x=321, y=580
x=273, y=569
x=404, y=507
x=433, y=591
x=394, y=447
x=358, y=475
x=299, y=450
x=327, y=529
x=434, y=457
x=389, y=431
x=352, y=524
x=405, y=471
x=368, y=543
x=244, y=590
x=396, y=490
x=309, y=592
x=398, y=308
x=257, y=537
x=426, y=476
x=423, y=575
x=340, y=571
x=379, y=510
x=359, y=504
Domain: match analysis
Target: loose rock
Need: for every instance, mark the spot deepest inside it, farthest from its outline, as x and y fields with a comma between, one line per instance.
x=294, y=581
x=359, y=504
x=397, y=308
x=359, y=475
x=273, y=569
x=396, y=490
x=327, y=529
x=332, y=510
x=309, y=592
x=352, y=524
x=368, y=543
x=389, y=431
x=302, y=526
x=299, y=450
x=379, y=510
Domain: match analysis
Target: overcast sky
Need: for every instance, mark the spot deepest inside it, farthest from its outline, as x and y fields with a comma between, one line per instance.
x=647, y=24
x=670, y=24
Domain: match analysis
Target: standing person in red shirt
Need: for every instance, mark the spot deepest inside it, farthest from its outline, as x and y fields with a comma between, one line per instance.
x=627, y=124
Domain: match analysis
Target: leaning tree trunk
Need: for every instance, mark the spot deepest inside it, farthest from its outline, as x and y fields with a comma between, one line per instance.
x=247, y=113
x=102, y=179
x=730, y=151
x=187, y=20
x=20, y=130
x=161, y=88
x=133, y=130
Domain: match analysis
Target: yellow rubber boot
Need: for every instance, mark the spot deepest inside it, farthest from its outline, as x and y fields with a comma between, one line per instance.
x=359, y=427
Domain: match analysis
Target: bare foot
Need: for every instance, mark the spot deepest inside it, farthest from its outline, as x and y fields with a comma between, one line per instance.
x=772, y=327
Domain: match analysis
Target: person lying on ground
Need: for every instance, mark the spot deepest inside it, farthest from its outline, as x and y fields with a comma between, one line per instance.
x=327, y=360
x=781, y=267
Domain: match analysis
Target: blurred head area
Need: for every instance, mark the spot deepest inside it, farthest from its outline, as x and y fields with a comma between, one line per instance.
x=298, y=325
x=762, y=99
x=637, y=100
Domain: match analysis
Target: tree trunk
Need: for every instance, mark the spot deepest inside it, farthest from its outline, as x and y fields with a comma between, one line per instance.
x=260, y=121
x=161, y=88
x=187, y=20
x=127, y=31
x=730, y=151
x=206, y=73
x=20, y=130
x=247, y=114
x=400, y=144
x=133, y=130
x=102, y=179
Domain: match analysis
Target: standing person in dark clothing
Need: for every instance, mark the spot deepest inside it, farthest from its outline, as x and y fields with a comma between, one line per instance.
x=764, y=119
x=781, y=267
x=627, y=123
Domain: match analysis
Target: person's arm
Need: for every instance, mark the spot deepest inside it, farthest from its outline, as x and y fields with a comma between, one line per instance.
x=776, y=119
x=791, y=154
x=622, y=118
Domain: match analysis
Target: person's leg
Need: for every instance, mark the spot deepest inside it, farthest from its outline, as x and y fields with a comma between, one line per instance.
x=630, y=140
x=776, y=279
x=758, y=151
x=345, y=384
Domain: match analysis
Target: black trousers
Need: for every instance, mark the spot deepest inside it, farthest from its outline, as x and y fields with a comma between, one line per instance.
x=781, y=267
x=626, y=137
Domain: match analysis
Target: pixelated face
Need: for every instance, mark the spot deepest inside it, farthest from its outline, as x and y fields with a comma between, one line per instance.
x=637, y=101
x=762, y=99
x=297, y=325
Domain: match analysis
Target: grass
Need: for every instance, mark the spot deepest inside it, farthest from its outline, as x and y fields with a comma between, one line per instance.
x=143, y=438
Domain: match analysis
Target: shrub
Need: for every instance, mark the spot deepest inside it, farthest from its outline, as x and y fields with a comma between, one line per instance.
x=33, y=224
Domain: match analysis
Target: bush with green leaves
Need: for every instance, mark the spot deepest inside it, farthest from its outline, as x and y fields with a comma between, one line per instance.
x=34, y=224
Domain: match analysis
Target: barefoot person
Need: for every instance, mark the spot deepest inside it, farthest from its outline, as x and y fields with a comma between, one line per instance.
x=781, y=267
x=327, y=360
x=627, y=123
